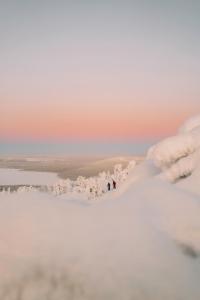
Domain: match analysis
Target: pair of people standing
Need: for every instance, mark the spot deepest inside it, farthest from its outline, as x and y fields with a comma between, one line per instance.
x=109, y=185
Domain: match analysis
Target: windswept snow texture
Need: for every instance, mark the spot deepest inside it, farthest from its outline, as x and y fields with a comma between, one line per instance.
x=141, y=241
x=179, y=156
x=190, y=124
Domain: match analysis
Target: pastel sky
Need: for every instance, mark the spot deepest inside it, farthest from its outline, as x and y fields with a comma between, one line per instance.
x=98, y=69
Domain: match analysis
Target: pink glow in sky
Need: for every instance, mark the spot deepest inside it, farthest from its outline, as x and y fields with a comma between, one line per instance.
x=106, y=70
x=103, y=121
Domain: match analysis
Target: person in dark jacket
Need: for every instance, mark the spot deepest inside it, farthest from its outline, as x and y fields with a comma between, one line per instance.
x=108, y=185
x=114, y=184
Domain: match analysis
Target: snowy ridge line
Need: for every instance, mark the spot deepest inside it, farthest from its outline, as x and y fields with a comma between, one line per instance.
x=91, y=187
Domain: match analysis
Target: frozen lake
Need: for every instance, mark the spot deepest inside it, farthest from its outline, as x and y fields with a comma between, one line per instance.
x=20, y=177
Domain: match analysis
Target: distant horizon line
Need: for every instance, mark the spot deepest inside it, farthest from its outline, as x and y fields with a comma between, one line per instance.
x=80, y=139
x=75, y=147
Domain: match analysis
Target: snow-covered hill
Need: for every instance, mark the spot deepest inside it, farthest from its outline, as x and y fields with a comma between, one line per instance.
x=141, y=241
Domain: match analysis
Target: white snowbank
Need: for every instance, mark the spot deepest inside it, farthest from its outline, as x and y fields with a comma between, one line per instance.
x=178, y=156
x=190, y=124
x=108, y=250
x=191, y=183
x=171, y=149
x=183, y=167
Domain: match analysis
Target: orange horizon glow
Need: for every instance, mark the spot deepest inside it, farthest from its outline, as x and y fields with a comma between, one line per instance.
x=95, y=71
x=93, y=124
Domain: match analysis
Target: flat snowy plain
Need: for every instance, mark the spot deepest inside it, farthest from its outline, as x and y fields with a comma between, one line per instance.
x=18, y=177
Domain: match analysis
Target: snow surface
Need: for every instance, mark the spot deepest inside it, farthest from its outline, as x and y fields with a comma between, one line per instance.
x=141, y=241
x=178, y=156
x=19, y=177
x=190, y=124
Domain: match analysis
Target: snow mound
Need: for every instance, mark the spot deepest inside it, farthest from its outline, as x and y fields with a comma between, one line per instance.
x=178, y=156
x=183, y=167
x=190, y=124
x=115, y=247
x=171, y=149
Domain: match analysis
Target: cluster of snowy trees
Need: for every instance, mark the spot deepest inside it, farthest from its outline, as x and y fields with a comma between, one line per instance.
x=21, y=189
x=91, y=187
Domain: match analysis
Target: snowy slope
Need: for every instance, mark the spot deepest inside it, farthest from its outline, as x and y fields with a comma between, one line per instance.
x=139, y=242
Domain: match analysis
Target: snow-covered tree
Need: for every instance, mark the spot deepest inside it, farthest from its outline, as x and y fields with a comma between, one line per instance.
x=92, y=187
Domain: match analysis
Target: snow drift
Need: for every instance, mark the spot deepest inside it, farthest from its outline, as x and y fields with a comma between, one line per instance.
x=179, y=156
